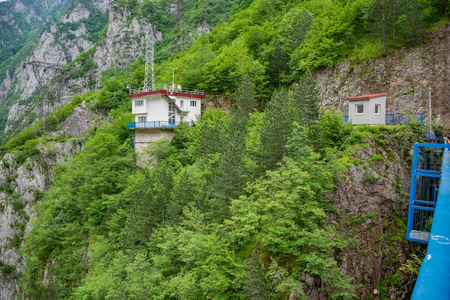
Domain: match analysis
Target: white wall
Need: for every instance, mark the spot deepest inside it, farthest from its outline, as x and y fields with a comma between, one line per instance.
x=138, y=109
x=368, y=116
x=156, y=108
x=194, y=111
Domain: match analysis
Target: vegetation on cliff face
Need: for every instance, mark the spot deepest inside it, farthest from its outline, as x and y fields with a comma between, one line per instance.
x=21, y=29
x=187, y=227
x=235, y=206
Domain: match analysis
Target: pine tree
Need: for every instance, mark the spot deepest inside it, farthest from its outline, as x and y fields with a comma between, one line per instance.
x=277, y=125
x=306, y=99
x=245, y=96
x=229, y=181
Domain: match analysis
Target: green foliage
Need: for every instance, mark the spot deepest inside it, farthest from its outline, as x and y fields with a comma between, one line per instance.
x=369, y=177
x=8, y=269
x=82, y=65
x=113, y=95
x=182, y=228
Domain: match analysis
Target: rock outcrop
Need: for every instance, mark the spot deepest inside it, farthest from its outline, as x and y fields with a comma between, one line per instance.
x=372, y=199
x=24, y=180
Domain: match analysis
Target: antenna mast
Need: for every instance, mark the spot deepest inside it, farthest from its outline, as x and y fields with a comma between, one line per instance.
x=149, y=60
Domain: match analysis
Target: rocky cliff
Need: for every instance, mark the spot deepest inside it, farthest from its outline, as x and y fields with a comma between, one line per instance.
x=406, y=74
x=25, y=176
x=372, y=200
x=25, y=179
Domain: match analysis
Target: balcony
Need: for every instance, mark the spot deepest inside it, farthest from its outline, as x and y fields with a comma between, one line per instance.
x=153, y=124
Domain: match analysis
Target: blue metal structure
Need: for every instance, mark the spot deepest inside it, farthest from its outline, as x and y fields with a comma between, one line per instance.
x=425, y=183
x=399, y=118
x=434, y=277
x=434, y=135
x=152, y=124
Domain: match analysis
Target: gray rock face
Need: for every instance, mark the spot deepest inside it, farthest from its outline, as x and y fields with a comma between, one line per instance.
x=78, y=123
x=56, y=48
x=23, y=185
x=4, y=86
x=123, y=44
x=406, y=75
x=372, y=198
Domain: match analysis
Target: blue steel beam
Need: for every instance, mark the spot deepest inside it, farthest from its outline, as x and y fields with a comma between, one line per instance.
x=434, y=277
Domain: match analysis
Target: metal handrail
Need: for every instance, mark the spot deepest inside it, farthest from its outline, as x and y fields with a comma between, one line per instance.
x=154, y=124
x=399, y=118
x=172, y=89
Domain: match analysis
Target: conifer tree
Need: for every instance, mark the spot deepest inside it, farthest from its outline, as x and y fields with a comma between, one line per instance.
x=245, y=96
x=229, y=181
x=277, y=125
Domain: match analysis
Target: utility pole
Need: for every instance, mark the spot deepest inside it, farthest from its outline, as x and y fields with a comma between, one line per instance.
x=173, y=79
x=429, y=103
x=149, y=60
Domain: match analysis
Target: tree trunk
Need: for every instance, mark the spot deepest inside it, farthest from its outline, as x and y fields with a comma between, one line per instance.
x=393, y=20
x=384, y=33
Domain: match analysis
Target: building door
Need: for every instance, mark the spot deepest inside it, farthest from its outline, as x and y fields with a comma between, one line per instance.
x=171, y=114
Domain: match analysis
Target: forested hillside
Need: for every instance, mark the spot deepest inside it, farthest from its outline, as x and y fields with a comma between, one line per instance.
x=268, y=196
x=240, y=205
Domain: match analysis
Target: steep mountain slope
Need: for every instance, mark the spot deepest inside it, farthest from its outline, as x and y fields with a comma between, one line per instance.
x=115, y=41
x=62, y=42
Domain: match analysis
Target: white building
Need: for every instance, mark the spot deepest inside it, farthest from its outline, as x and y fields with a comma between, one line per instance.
x=367, y=109
x=158, y=112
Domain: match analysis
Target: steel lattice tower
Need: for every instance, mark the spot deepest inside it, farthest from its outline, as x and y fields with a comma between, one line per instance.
x=149, y=60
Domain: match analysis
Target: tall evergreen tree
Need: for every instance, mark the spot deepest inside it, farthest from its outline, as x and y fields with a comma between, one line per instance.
x=230, y=179
x=277, y=125
x=306, y=100
x=245, y=96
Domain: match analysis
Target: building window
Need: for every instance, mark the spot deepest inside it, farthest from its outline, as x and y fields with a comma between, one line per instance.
x=139, y=103
x=359, y=109
x=181, y=103
x=378, y=109
x=142, y=119
x=181, y=119
x=193, y=103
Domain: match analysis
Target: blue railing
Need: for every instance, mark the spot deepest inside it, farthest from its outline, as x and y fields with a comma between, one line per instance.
x=434, y=135
x=152, y=124
x=425, y=183
x=399, y=118
x=434, y=275
x=345, y=119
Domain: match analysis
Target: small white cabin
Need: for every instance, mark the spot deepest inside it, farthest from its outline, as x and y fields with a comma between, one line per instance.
x=367, y=109
x=157, y=113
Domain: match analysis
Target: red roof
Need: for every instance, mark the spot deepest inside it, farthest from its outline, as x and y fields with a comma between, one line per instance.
x=365, y=97
x=163, y=92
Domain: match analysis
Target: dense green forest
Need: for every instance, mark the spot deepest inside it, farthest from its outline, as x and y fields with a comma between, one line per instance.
x=234, y=207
